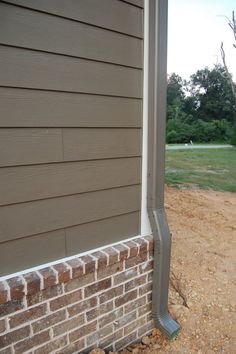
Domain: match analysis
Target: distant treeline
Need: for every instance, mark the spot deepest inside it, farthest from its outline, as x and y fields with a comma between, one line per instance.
x=202, y=109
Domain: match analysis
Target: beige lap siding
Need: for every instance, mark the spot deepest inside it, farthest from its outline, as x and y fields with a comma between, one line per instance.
x=101, y=299
x=71, y=80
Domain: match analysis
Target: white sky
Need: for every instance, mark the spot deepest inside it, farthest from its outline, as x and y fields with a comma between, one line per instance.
x=196, y=29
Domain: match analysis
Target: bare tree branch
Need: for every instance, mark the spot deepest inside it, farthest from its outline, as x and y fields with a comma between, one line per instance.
x=229, y=77
x=232, y=25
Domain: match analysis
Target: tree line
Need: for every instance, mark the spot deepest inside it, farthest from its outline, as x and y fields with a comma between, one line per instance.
x=202, y=109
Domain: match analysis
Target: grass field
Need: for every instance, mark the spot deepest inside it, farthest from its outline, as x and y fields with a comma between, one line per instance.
x=207, y=169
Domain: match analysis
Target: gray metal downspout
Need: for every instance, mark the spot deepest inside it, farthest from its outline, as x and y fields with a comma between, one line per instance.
x=157, y=74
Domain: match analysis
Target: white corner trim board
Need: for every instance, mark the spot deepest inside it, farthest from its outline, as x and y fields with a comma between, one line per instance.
x=145, y=224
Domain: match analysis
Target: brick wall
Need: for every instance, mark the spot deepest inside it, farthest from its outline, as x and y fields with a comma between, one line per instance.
x=101, y=299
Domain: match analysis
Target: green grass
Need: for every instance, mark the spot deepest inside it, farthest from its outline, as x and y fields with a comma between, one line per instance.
x=206, y=168
x=204, y=144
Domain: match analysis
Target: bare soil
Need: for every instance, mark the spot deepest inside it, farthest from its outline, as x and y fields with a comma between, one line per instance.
x=203, y=274
x=203, y=224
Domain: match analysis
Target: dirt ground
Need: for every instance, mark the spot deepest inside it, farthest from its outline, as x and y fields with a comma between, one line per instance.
x=203, y=274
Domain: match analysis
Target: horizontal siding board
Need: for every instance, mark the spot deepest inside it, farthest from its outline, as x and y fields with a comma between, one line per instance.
x=27, y=183
x=30, y=69
x=135, y=2
x=86, y=144
x=26, y=146
x=31, y=251
x=112, y=14
x=27, y=219
x=33, y=108
x=21, y=146
x=99, y=233
x=26, y=28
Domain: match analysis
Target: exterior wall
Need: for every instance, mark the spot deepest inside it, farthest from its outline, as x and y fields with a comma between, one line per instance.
x=70, y=127
x=102, y=299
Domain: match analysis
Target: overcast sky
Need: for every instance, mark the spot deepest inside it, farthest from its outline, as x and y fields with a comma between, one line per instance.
x=196, y=29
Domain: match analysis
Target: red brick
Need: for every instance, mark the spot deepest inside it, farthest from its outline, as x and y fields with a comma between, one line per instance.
x=33, y=283
x=3, y=293
x=63, y=271
x=125, y=341
x=91, y=341
x=82, y=306
x=48, y=321
x=133, y=248
x=110, y=317
x=145, y=289
x=134, y=325
x=123, y=251
x=143, y=245
x=149, y=317
x=16, y=286
x=135, y=304
x=150, y=276
x=104, y=343
x=27, y=315
x=124, y=276
x=45, y=294
x=146, y=328
x=77, y=267
x=68, y=325
x=98, y=335
x=98, y=311
x=77, y=283
x=113, y=255
x=110, y=270
x=134, y=283
x=101, y=258
x=125, y=298
x=145, y=309
x=49, y=277
x=52, y=346
x=6, y=351
x=97, y=287
x=149, y=297
x=110, y=294
x=10, y=307
x=65, y=300
x=150, y=242
x=131, y=262
x=89, y=264
x=145, y=267
x=151, y=253
x=83, y=331
x=31, y=342
x=2, y=326
x=75, y=347
x=105, y=331
x=125, y=320
x=14, y=336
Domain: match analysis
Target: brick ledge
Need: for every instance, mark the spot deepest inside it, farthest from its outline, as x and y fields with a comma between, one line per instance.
x=15, y=288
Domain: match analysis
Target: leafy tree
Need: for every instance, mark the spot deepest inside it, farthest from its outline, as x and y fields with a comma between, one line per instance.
x=202, y=110
x=214, y=95
x=175, y=89
x=175, y=96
